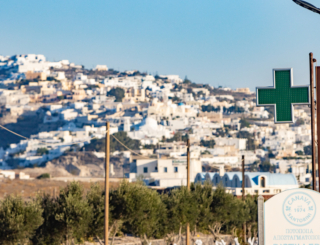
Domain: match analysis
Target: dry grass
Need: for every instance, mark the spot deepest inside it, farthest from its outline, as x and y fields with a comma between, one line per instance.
x=28, y=189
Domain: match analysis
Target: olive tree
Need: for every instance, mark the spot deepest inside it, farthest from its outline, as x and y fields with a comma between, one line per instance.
x=73, y=212
x=18, y=220
x=252, y=218
x=139, y=208
x=222, y=208
x=50, y=232
x=203, y=196
x=182, y=210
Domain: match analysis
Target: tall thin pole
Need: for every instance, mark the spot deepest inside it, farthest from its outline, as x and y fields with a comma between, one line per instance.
x=243, y=198
x=313, y=129
x=318, y=114
x=188, y=164
x=188, y=186
x=243, y=181
x=260, y=220
x=106, y=200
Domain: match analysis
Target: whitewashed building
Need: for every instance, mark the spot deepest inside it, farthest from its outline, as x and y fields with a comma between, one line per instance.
x=256, y=183
x=164, y=172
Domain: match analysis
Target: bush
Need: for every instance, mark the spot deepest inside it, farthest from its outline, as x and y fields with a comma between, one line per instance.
x=19, y=220
x=42, y=151
x=149, y=147
x=73, y=212
x=210, y=108
x=135, y=209
x=50, y=232
x=44, y=176
x=66, y=218
x=140, y=209
x=208, y=143
x=244, y=123
x=265, y=166
x=99, y=144
x=118, y=93
x=307, y=150
x=95, y=199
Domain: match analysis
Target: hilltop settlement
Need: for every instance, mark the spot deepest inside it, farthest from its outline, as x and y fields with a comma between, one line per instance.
x=53, y=117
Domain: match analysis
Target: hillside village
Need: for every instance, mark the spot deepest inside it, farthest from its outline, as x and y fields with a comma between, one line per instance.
x=62, y=108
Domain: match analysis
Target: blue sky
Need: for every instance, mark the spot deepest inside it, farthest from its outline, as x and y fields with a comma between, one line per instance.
x=234, y=43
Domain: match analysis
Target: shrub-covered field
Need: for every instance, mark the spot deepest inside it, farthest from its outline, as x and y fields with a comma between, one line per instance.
x=73, y=216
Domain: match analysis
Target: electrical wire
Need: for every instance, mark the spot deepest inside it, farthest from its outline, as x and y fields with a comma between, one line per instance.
x=92, y=138
x=128, y=147
x=13, y=132
x=18, y=134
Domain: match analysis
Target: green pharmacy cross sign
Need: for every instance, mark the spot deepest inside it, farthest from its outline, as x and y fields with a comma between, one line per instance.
x=283, y=95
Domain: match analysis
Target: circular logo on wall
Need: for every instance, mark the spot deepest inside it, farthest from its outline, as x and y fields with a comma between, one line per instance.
x=299, y=209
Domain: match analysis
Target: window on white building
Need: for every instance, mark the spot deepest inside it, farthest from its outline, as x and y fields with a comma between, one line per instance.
x=165, y=169
x=263, y=182
x=145, y=169
x=176, y=169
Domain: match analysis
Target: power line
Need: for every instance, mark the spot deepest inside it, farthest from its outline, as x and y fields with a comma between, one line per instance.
x=136, y=153
x=128, y=147
x=18, y=134
x=13, y=132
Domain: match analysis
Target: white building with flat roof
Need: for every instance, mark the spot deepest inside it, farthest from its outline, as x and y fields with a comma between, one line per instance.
x=164, y=172
x=13, y=97
x=121, y=83
x=240, y=144
x=29, y=62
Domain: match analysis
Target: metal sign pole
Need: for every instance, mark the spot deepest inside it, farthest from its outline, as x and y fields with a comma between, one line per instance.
x=313, y=126
x=318, y=113
x=261, y=220
x=188, y=186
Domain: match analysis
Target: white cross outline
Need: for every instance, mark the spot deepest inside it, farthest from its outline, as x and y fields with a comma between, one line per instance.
x=274, y=87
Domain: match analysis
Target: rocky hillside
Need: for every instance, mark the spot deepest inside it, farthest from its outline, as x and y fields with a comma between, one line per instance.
x=82, y=164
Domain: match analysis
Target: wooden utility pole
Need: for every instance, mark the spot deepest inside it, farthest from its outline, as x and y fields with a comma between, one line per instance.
x=313, y=126
x=106, y=200
x=243, y=180
x=243, y=199
x=188, y=186
x=318, y=114
x=188, y=164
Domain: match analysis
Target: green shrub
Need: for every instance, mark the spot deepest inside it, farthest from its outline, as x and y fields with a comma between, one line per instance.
x=42, y=151
x=44, y=176
x=18, y=220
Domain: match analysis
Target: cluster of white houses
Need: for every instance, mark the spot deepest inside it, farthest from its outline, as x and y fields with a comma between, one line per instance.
x=157, y=111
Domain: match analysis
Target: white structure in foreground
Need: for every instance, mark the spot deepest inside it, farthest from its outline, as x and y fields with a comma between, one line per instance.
x=256, y=183
x=164, y=172
x=13, y=175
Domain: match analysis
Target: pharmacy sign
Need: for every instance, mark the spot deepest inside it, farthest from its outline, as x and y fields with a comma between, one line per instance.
x=283, y=95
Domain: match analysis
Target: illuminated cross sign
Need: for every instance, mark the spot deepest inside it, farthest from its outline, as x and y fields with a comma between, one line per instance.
x=283, y=95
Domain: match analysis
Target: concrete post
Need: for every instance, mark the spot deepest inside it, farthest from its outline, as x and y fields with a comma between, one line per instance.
x=261, y=220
